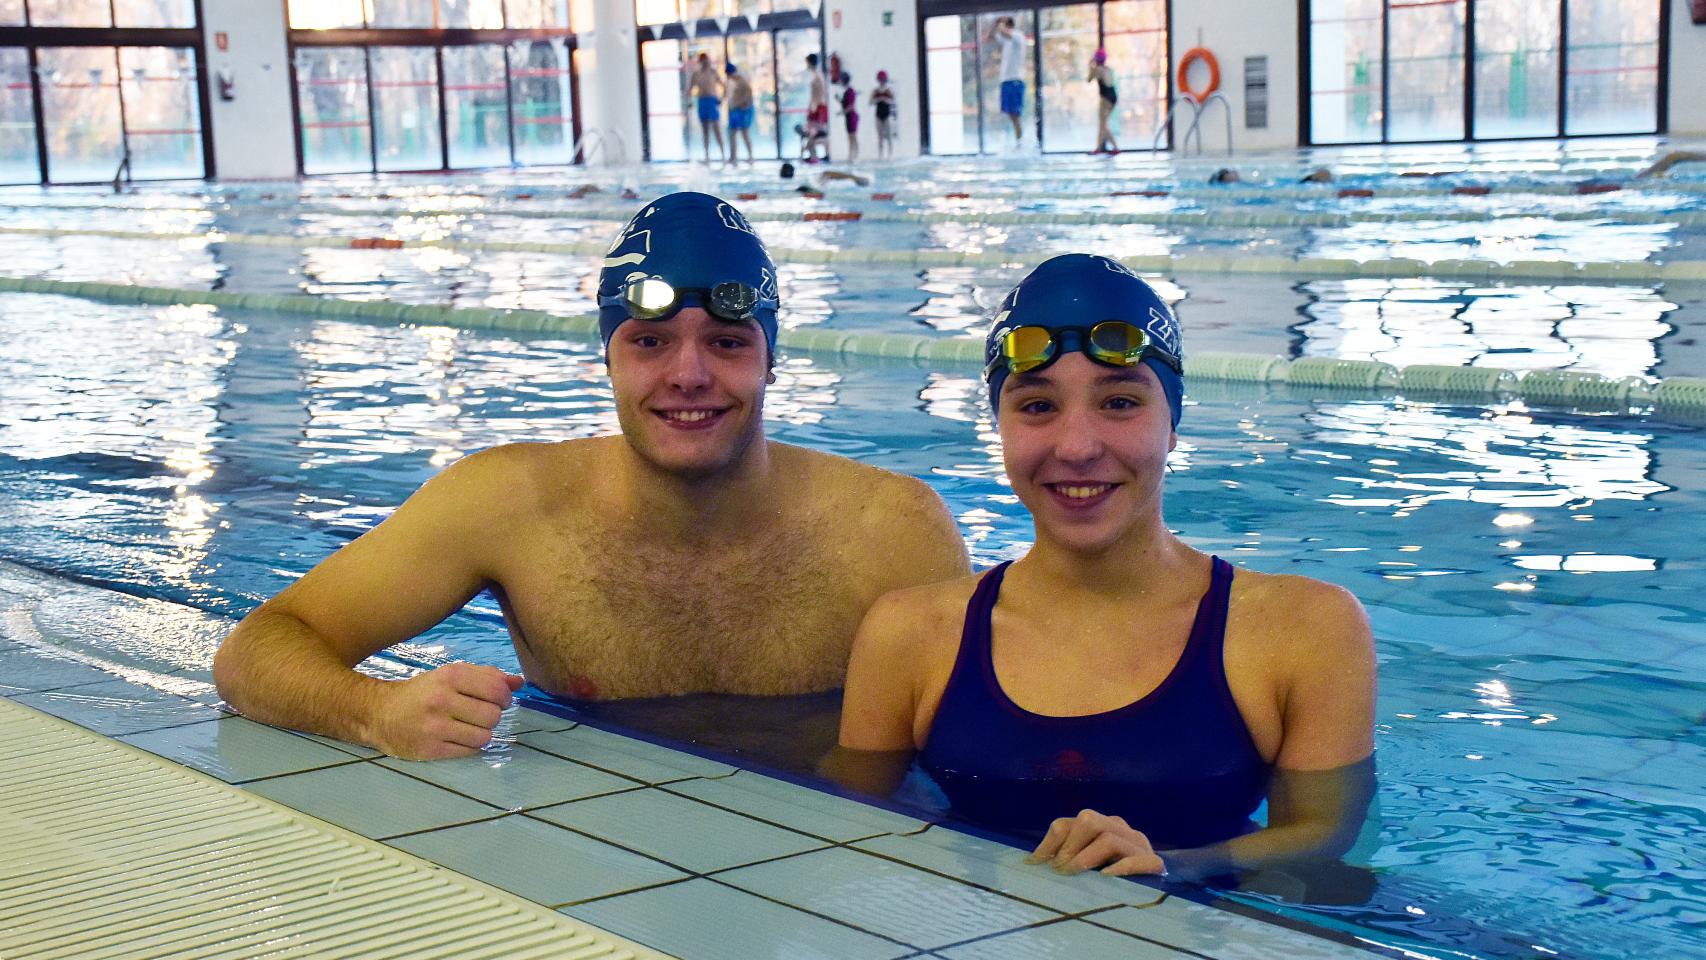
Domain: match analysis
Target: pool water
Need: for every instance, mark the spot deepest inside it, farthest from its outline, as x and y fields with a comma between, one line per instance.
x=1532, y=575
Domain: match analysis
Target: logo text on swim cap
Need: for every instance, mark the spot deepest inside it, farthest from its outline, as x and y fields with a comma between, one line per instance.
x=1114, y=266
x=1161, y=324
x=767, y=284
x=733, y=220
x=634, y=243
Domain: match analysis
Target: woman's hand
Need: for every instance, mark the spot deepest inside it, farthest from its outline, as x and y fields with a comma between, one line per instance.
x=1092, y=841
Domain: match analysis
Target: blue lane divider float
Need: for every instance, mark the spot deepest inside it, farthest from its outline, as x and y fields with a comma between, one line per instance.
x=1682, y=398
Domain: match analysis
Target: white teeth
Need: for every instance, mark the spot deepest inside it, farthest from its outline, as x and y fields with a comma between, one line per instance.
x=1084, y=493
x=689, y=416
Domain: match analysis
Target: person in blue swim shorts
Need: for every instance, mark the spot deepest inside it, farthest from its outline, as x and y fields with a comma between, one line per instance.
x=684, y=553
x=705, y=89
x=740, y=112
x=1117, y=697
x=1012, y=45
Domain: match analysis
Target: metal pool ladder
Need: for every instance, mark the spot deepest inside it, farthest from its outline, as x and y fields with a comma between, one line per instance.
x=1197, y=112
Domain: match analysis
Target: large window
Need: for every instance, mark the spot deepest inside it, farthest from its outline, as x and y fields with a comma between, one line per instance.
x=1424, y=70
x=965, y=64
x=100, y=91
x=768, y=44
x=392, y=85
x=656, y=12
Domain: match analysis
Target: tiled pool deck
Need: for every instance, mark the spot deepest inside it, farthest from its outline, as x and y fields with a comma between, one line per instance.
x=689, y=856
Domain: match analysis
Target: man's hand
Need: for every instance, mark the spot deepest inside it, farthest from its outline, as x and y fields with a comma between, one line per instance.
x=446, y=712
x=1090, y=841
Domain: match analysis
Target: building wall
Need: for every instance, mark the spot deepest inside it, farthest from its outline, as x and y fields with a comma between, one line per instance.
x=1233, y=30
x=254, y=134
x=607, y=69
x=856, y=30
x=1687, y=72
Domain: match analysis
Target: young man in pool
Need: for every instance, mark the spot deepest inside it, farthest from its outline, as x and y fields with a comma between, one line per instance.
x=687, y=554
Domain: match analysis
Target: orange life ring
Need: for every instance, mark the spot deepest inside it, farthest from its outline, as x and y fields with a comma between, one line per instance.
x=1185, y=62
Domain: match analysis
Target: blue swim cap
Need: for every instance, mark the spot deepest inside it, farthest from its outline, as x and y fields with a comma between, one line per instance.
x=692, y=241
x=1081, y=290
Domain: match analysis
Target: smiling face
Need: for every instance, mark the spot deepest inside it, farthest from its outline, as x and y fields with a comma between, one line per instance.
x=689, y=390
x=1086, y=446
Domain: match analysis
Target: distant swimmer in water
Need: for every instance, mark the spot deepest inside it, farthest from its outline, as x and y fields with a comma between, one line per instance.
x=1662, y=166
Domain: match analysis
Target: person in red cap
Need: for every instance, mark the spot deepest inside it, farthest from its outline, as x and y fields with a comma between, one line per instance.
x=883, y=105
x=1108, y=95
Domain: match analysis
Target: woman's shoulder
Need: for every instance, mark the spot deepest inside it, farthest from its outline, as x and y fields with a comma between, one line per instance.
x=931, y=604
x=1297, y=614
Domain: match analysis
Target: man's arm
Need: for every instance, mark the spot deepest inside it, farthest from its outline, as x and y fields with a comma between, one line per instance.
x=290, y=662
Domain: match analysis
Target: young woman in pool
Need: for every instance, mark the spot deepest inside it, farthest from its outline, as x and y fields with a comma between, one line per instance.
x=1128, y=698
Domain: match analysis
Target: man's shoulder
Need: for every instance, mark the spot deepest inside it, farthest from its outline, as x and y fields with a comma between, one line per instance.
x=512, y=469
x=844, y=474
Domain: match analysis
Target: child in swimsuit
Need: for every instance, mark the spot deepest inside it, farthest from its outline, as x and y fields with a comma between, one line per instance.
x=883, y=104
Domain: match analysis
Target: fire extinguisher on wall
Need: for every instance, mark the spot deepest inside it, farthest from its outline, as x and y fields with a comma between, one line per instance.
x=1700, y=11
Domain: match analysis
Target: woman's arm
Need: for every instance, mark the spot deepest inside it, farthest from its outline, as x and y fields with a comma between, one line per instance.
x=880, y=704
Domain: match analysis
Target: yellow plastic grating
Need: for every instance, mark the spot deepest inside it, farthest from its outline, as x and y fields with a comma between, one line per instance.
x=106, y=851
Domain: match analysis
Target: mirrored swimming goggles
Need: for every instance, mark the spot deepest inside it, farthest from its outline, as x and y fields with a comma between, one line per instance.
x=1113, y=342
x=649, y=298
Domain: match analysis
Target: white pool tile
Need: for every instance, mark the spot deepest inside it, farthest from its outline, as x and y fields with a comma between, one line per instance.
x=539, y=861
x=1067, y=940
x=1003, y=868
x=371, y=800
x=798, y=808
x=514, y=777
x=117, y=707
x=235, y=749
x=23, y=670
x=886, y=898
x=705, y=920
x=687, y=833
x=627, y=756
x=1222, y=934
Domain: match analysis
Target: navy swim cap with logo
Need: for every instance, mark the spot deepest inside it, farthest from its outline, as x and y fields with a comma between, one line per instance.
x=692, y=241
x=1080, y=290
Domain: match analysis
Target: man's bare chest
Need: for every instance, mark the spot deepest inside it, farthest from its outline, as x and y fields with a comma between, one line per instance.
x=611, y=618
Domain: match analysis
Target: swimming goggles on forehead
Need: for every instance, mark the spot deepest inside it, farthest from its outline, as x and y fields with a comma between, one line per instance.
x=1112, y=342
x=652, y=298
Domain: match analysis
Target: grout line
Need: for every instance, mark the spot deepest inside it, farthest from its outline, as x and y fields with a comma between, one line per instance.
x=813, y=913
x=623, y=893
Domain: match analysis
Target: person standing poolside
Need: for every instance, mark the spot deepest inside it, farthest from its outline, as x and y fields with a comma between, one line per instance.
x=686, y=554
x=1107, y=96
x=705, y=88
x=815, y=134
x=1011, y=43
x=850, y=115
x=883, y=105
x=740, y=112
x=1123, y=697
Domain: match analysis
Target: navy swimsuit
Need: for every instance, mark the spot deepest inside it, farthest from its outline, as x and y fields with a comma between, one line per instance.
x=1177, y=764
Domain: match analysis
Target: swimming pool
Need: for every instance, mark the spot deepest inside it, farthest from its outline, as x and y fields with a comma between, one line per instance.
x=1531, y=574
